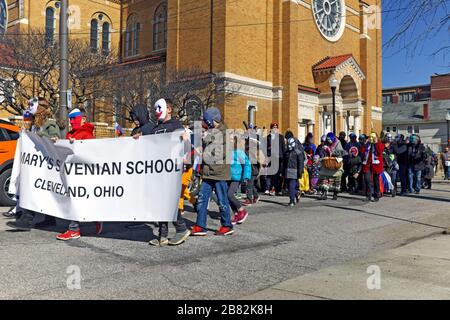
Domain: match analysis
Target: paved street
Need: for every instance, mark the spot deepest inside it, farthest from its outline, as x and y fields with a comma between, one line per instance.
x=274, y=245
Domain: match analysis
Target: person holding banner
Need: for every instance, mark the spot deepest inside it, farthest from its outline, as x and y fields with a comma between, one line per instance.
x=39, y=120
x=28, y=120
x=166, y=124
x=141, y=118
x=81, y=130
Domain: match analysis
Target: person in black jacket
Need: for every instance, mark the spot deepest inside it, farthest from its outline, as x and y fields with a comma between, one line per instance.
x=141, y=118
x=294, y=162
x=400, y=150
x=167, y=123
x=275, y=179
x=416, y=161
x=354, y=164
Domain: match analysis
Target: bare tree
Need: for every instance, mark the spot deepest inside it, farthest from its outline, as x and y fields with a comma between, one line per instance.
x=420, y=21
x=192, y=91
x=31, y=68
x=86, y=71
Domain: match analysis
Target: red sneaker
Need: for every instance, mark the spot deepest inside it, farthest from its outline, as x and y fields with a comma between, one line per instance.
x=198, y=231
x=242, y=216
x=224, y=231
x=247, y=203
x=235, y=219
x=98, y=227
x=255, y=200
x=69, y=234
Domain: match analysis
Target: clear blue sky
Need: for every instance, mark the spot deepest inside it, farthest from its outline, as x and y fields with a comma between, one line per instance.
x=401, y=69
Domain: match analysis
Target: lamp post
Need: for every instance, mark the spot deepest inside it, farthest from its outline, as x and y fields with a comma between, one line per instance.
x=447, y=117
x=64, y=65
x=333, y=85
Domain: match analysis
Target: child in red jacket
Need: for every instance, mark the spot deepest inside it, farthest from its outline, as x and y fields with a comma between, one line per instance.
x=81, y=130
x=372, y=154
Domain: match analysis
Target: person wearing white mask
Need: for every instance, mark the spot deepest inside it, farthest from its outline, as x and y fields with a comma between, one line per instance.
x=167, y=123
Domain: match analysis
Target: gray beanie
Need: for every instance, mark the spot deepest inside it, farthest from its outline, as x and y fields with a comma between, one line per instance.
x=214, y=114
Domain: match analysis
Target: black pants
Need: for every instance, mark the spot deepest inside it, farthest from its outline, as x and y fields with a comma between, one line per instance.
x=252, y=192
x=293, y=187
x=352, y=183
x=403, y=172
x=372, y=183
x=274, y=181
x=179, y=225
x=232, y=188
x=344, y=181
x=26, y=216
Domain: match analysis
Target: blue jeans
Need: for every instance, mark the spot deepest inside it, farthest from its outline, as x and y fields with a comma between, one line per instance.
x=414, y=174
x=221, y=188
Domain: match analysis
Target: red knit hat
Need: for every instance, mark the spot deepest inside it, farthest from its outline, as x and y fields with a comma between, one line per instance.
x=273, y=124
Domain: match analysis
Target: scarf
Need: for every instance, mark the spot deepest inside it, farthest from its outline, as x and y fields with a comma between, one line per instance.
x=371, y=148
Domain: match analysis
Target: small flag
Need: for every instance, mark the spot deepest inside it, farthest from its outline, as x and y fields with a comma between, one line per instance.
x=197, y=164
x=119, y=130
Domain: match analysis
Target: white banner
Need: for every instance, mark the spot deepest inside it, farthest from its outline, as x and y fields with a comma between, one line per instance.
x=100, y=180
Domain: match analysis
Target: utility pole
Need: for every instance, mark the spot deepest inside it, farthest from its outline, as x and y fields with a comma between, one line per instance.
x=64, y=64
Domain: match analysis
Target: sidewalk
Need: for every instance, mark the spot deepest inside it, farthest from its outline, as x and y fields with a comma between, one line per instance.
x=419, y=270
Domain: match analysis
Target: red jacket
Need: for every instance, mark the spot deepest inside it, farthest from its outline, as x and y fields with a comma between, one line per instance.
x=86, y=131
x=376, y=168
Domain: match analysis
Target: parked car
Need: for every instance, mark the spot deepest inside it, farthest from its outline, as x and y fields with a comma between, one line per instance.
x=9, y=133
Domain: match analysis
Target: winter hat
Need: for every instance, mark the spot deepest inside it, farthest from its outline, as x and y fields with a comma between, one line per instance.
x=331, y=137
x=354, y=151
x=273, y=124
x=211, y=115
x=75, y=113
x=27, y=115
x=352, y=136
x=75, y=118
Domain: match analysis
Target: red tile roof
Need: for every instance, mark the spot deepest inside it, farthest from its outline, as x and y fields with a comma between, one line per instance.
x=331, y=62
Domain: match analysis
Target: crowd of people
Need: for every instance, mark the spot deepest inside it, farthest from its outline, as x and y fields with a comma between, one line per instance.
x=273, y=164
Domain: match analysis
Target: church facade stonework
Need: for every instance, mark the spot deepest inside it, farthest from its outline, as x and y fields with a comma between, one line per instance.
x=276, y=55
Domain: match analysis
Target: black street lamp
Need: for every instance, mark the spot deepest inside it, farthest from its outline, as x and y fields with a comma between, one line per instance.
x=333, y=85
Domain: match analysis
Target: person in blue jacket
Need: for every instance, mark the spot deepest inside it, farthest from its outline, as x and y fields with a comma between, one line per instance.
x=241, y=171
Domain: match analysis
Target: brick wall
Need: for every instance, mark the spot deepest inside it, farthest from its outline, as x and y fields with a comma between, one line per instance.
x=440, y=87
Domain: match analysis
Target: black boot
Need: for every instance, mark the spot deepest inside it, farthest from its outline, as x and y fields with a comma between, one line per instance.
x=335, y=197
x=24, y=223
